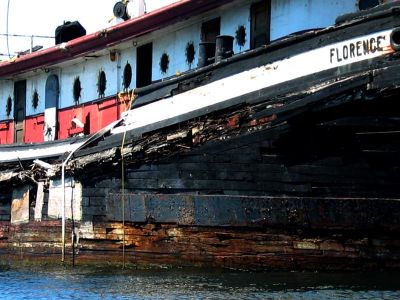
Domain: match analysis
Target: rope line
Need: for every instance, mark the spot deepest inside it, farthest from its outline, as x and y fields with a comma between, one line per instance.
x=131, y=99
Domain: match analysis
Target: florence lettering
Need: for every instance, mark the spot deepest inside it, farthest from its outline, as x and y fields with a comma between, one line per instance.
x=357, y=49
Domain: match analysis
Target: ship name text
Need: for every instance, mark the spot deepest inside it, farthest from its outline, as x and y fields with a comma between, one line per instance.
x=357, y=49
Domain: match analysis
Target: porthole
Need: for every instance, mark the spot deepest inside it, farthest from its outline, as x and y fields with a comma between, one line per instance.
x=127, y=76
x=101, y=83
x=77, y=89
x=190, y=53
x=366, y=4
x=164, y=63
x=8, y=106
x=241, y=36
x=35, y=99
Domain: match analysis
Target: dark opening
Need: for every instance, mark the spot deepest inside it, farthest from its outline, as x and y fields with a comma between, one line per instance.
x=77, y=90
x=164, y=63
x=190, y=53
x=240, y=36
x=19, y=110
x=9, y=106
x=210, y=30
x=35, y=99
x=127, y=76
x=101, y=83
x=365, y=4
x=144, y=65
x=260, y=23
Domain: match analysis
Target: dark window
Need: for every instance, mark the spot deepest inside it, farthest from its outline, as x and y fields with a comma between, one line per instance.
x=260, y=23
x=164, y=63
x=144, y=65
x=35, y=99
x=77, y=90
x=9, y=106
x=210, y=30
x=19, y=110
x=190, y=53
x=101, y=83
x=127, y=76
x=240, y=36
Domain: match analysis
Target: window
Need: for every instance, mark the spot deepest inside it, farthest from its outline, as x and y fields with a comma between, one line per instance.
x=260, y=23
x=210, y=30
x=101, y=83
x=127, y=79
x=144, y=65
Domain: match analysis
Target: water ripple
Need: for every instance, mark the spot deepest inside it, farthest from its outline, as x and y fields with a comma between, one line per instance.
x=194, y=284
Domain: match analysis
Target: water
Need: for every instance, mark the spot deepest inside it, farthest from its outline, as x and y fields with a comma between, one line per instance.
x=194, y=284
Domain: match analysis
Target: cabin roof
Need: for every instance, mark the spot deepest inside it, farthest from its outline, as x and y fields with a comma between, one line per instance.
x=109, y=37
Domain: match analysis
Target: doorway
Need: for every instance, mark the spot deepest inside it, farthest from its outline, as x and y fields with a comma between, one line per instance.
x=260, y=23
x=19, y=110
x=144, y=65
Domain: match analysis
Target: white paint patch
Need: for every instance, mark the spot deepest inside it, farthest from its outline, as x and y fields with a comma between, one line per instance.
x=39, y=202
x=73, y=199
x=9, y=154
x=314, y=61
x=50, y=122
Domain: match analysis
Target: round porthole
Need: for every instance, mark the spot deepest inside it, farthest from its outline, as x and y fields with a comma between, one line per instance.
x=190, y=53
x=240, y=35
x=77, y=89
x=35, y=99
x=101, y=83
x=127, y=76
x=8, y=106
x=164, y=63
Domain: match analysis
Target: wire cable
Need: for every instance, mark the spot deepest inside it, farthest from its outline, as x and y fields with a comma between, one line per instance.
x=8, y=12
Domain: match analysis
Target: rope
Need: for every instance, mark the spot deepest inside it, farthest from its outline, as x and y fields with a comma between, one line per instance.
x=131, y=99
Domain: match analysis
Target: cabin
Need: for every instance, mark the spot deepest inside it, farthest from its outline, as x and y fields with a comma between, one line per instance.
x=79, y=86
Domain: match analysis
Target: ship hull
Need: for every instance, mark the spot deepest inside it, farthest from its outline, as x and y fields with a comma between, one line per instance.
x=256, y=162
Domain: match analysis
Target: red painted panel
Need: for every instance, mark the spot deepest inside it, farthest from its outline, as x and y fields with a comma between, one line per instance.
x=94, y=116
x=7, y=132
x=34, y=127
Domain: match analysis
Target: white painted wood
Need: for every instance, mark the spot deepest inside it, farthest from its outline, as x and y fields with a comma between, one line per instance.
x=50, y=124
x=73, y=199
x=10, y=154
x=314, y=61
x=39, y=202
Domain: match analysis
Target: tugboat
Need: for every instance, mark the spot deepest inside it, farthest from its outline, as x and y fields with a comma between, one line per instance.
x=239, y=134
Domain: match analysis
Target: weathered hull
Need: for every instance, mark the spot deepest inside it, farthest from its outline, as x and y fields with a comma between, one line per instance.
x=299, y=174
x=293, y=234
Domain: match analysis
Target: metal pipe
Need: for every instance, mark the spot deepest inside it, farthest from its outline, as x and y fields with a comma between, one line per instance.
x=63, y=201
x=89, y=140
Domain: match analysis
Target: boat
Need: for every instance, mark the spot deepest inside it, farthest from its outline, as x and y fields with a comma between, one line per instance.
x=243, y=134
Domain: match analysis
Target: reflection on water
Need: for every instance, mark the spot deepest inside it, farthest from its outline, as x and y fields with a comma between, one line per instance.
x=83, y=283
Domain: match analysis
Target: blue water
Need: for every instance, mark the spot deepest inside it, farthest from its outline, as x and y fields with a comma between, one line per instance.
x=194, y=284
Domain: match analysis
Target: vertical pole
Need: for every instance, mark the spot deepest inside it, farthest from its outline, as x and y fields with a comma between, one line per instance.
x=63, y=214
x=7, y=33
